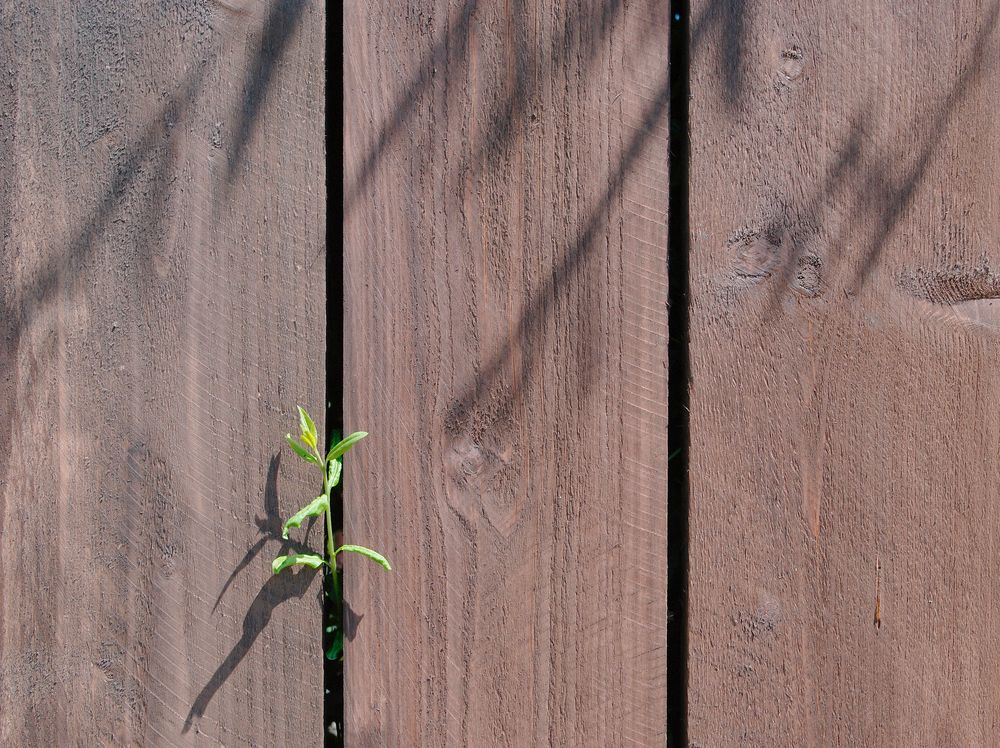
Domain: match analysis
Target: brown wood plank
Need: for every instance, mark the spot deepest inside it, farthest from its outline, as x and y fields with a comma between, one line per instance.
x=162, y=299
x=505, y=282
x=845, y=326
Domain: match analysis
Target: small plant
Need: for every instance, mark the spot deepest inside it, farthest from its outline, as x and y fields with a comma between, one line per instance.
x=307, y=447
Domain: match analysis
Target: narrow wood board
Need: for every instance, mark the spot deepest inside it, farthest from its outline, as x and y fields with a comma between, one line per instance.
x=845, y=274
x=162, y=298
x=505, y=344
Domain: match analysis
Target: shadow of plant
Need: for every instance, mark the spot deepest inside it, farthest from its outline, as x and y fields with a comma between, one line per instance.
x=270, y=526
x=277, y=590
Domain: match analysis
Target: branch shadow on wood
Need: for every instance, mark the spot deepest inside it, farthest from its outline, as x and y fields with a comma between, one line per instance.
x=887, y=188
x=278, y=31
x=522, y=83
x=157, y=145
x=62, y=270
x=158, y=142
x=452, y=43
x=573, y=258
x=728, y=16
x=729, y=19
x=570, y=42
x=897, y=196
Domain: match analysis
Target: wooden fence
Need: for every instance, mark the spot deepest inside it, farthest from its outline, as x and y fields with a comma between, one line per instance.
x=517, y=179
x=161, y=312
x=505, y=333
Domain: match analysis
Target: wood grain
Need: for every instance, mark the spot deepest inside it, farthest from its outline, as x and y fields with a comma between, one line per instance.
x=845, y=254
x=161, y=304
x=505, y=313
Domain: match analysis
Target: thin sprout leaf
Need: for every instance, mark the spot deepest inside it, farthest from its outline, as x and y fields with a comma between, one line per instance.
x=301, y=451
x=309, y=440
x=336, y=650
x=308, y=428
x=345, y=444
x=306, y=423
x=335, y=468
x=313, y=509
x=292, y=559
x=373, y=555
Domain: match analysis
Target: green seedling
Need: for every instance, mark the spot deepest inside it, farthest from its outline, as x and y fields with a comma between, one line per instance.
x=308, y=448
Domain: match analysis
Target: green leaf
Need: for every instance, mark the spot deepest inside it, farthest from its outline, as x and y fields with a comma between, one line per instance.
x=335, y=467
x=309, y=437
x=336, y=646
x=306, y=424
x=345, y=444
x=309, y=440
x=313, y=509
x=373, y=555
x=301, y=451
x=306, y=559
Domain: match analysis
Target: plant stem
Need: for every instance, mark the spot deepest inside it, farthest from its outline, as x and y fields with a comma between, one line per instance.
x=331, y=554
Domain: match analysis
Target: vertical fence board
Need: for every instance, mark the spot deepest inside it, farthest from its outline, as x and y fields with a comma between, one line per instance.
x=161, y=305
x=505, y=315
x=845, y=331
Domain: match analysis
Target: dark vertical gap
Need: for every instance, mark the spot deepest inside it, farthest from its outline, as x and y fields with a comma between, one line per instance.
x=333, y=670
x=678, y=396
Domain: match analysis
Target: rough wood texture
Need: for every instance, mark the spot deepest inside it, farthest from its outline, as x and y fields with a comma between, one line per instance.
x=845, y=279
x=505, y=239
x=161, y=304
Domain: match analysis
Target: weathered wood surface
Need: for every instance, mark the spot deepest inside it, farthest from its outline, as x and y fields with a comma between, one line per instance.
x=162, y=300
x=505, y=282
x=845, y=317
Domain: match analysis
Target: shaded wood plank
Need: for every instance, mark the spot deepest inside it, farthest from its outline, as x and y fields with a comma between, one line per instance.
x=844, y=420
x=162, y=293
x=505, y=314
